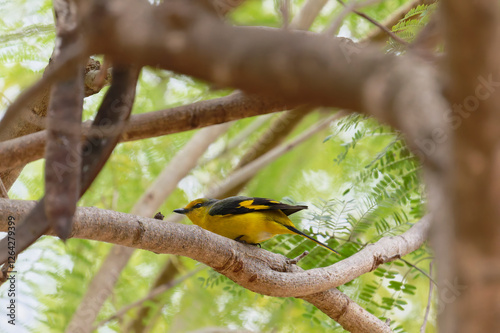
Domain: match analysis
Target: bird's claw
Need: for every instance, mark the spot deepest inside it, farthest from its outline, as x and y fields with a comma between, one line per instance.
x=239, y=240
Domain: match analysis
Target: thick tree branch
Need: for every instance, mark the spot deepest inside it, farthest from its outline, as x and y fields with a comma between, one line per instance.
x=471, y=186
x=256, y=269
x=297, y=67
x=253, y=268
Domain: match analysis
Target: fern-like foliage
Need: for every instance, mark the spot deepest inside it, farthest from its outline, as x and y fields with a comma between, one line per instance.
x=409, y=26
x=386, y=196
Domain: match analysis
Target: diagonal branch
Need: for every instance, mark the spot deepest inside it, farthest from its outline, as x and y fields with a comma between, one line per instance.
x=157, y=291
x=381, y=26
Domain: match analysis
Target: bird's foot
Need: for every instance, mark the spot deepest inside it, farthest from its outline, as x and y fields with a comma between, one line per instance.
x=238, y=239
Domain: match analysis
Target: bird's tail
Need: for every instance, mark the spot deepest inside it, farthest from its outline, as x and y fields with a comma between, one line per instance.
x=298, y=232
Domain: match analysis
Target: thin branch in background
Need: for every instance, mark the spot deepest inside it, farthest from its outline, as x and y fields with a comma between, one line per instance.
x=3, y=190
x=22, y=150
x=242, y=136
x=248, y=171
x=173, y=267
x=376, y=23
x=429, y=301
x=284, y=9
x=279, y=129
x=307, y=14
x=429, y=276
x=378, y=35
x=6, y=98
x=348, y=8
x=155, y=292
x=6, y=269
x=253, y=167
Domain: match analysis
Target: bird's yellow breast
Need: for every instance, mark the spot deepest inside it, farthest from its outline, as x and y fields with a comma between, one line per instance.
x=254, y=227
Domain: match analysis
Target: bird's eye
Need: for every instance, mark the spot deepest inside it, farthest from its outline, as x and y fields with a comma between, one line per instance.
x=197, y=205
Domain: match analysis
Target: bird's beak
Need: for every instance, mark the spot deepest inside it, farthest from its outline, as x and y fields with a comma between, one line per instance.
x=180, y=211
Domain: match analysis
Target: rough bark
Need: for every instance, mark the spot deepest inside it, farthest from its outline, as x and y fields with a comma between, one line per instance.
x=458, y=148
x=236, y=106
x=253, y=268
x=473, y=184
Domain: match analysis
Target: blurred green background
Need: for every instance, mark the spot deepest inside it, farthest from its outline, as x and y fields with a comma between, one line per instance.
x=357, y=177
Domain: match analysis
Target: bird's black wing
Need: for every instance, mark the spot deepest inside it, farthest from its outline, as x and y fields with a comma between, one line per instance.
x=243, y=205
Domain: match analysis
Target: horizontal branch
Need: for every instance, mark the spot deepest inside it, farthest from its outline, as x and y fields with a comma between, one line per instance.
x=298, y=67
x=236, y=106
x=255, y=269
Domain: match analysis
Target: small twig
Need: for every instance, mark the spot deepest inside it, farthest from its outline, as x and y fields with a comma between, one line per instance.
x=5, y=271
x=295, y=260
x=3, y=191
x=379, y=35
x=378, y=24
x=420, y=270
x=6, y=98
x=428, y=308
x=155, y=292
x=239, y=138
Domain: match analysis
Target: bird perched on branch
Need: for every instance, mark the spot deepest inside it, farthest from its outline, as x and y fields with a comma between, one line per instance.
x=245, y=219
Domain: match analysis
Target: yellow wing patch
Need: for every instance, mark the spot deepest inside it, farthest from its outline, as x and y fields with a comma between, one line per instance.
x=249, y=204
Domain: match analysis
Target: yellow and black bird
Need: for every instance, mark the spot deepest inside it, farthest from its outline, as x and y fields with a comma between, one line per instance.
x=245, y=219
